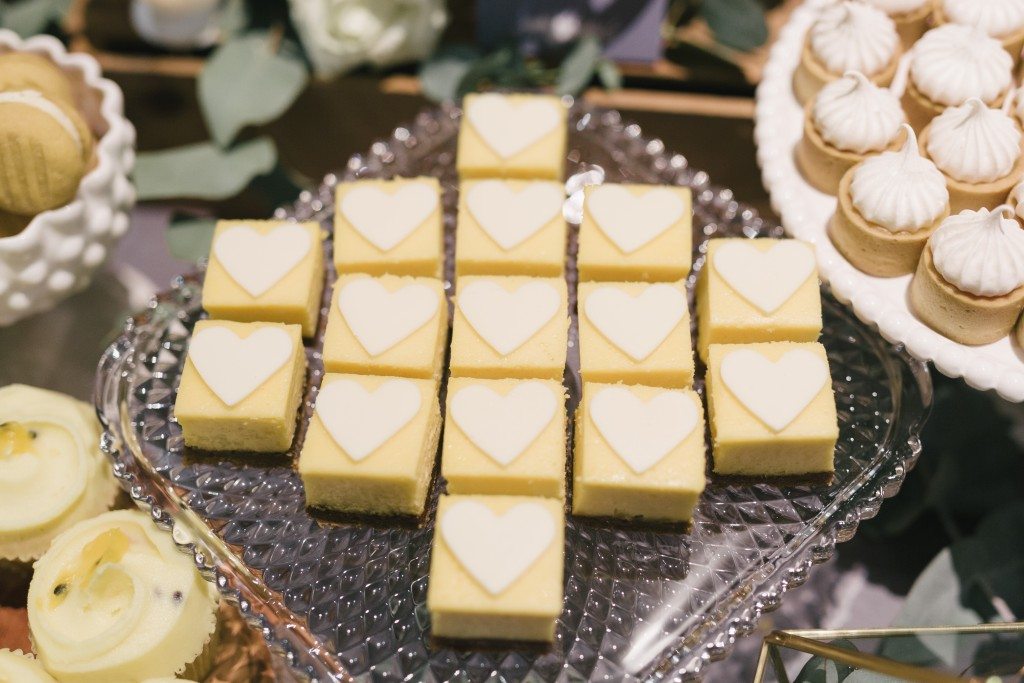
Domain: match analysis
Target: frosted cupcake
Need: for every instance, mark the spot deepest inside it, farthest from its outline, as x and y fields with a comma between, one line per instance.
x=849, y=119
x=847, y=36
x=969, y=284
x=910, y=16
x=18, y=667
x=52, y=475
x=113, y=599
x=889, y=205
x=978, y=150
x=950, y=65
x=1001, y=19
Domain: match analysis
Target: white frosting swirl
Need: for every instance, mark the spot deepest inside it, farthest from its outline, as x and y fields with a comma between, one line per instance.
x=953, y=63
x=973, y=143
x=980, y=252
x=899, y=191
x=894, y=7
x=854, y=114
x=851, y=36
x=17, y=667
x=52, y=473
x=997, y=18
x=1016, y=199
x=114, y=600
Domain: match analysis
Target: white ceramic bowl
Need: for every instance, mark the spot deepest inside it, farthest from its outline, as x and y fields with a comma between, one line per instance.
x=805, y=214
x=58, y=252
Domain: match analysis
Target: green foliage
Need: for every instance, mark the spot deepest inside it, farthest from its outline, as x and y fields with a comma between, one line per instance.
x=738, y=24
x=969, y=468
x=202, y=171
x=457, y=70
x=577, y=70
x=189, y=238
x=249, y=81
x=29, y=17
x=821, y=670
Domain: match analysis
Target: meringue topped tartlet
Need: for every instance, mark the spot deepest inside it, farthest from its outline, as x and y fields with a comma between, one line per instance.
x=889, y=205
x=910, y=16
x=847, y=36
x=849, y=119
x=950, y=65
x=969, y=283
x=978, y=149
x=1001, y=19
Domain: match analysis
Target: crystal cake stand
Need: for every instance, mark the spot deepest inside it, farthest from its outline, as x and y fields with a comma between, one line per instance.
x=344, y=602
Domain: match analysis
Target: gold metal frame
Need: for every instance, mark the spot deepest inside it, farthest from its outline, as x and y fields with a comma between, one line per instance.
x=812, y=642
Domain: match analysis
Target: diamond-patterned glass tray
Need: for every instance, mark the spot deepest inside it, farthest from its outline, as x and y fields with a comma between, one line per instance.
x=344, y=602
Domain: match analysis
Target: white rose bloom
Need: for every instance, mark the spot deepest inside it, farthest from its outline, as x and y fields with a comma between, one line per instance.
x=340, y=35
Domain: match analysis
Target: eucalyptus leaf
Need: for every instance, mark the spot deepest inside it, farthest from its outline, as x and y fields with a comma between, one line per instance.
x=739, y=24
x=493, y=67
x=188, y=238
x=441, y=74
x=248, y=81
x=609, y=75
x=577, y=70
x=29, y=17
x=202, y=171
x=822, y=670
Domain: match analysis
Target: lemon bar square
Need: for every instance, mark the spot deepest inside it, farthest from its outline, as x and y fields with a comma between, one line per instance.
x=387, y=325
x=496, y=568
x=771, y=409
x=510, y=327
x=512, y=136
x=634, y=233
x=640, y=453
x=389, y=226
x=757, y=290
x=505, y=436
x=510, y=227
x=241, y=386
x=636, y=333
x=371, y=445
x=265, y=271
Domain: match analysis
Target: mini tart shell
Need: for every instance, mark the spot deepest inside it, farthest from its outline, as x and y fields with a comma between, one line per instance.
x=870, y=247
x=913, y=24
x=976, y=196
x=920, y=109
x=823, y=165
x=811, y=75
x=1012, y=42
x=961, y=316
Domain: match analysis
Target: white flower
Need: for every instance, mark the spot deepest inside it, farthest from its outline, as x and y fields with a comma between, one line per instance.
x=340, y=35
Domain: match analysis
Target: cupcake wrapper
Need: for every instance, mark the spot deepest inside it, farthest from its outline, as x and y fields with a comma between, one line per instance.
x=200, y=667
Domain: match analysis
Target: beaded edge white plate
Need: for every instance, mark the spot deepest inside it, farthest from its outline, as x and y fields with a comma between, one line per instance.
x=805, y=213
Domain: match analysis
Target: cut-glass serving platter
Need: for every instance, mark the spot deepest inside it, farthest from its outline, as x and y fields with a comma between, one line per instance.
x=806, y=212
x=347, y=601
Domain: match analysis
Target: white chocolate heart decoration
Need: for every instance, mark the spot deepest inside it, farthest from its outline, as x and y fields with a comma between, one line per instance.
x=234, y=367
x=636, y=324
x=386, y=219
x=503, y=426
x=497, y=549
x=509, y=127
x=767, y=279
x=775, y=392
x=506, y=320
x=379, y=319
x=510, y=217
x=632, y=220
x=361, y=421
x=257, y=261
x=641, y=432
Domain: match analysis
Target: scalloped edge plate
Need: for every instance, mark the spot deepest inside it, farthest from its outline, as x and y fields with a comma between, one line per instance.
x=805, y=212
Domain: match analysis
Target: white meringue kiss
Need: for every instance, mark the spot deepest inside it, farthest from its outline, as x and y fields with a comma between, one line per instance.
x=854, y=36
x=980, y=252
x=854, y=114
x=953, y=63
x=973, y=143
